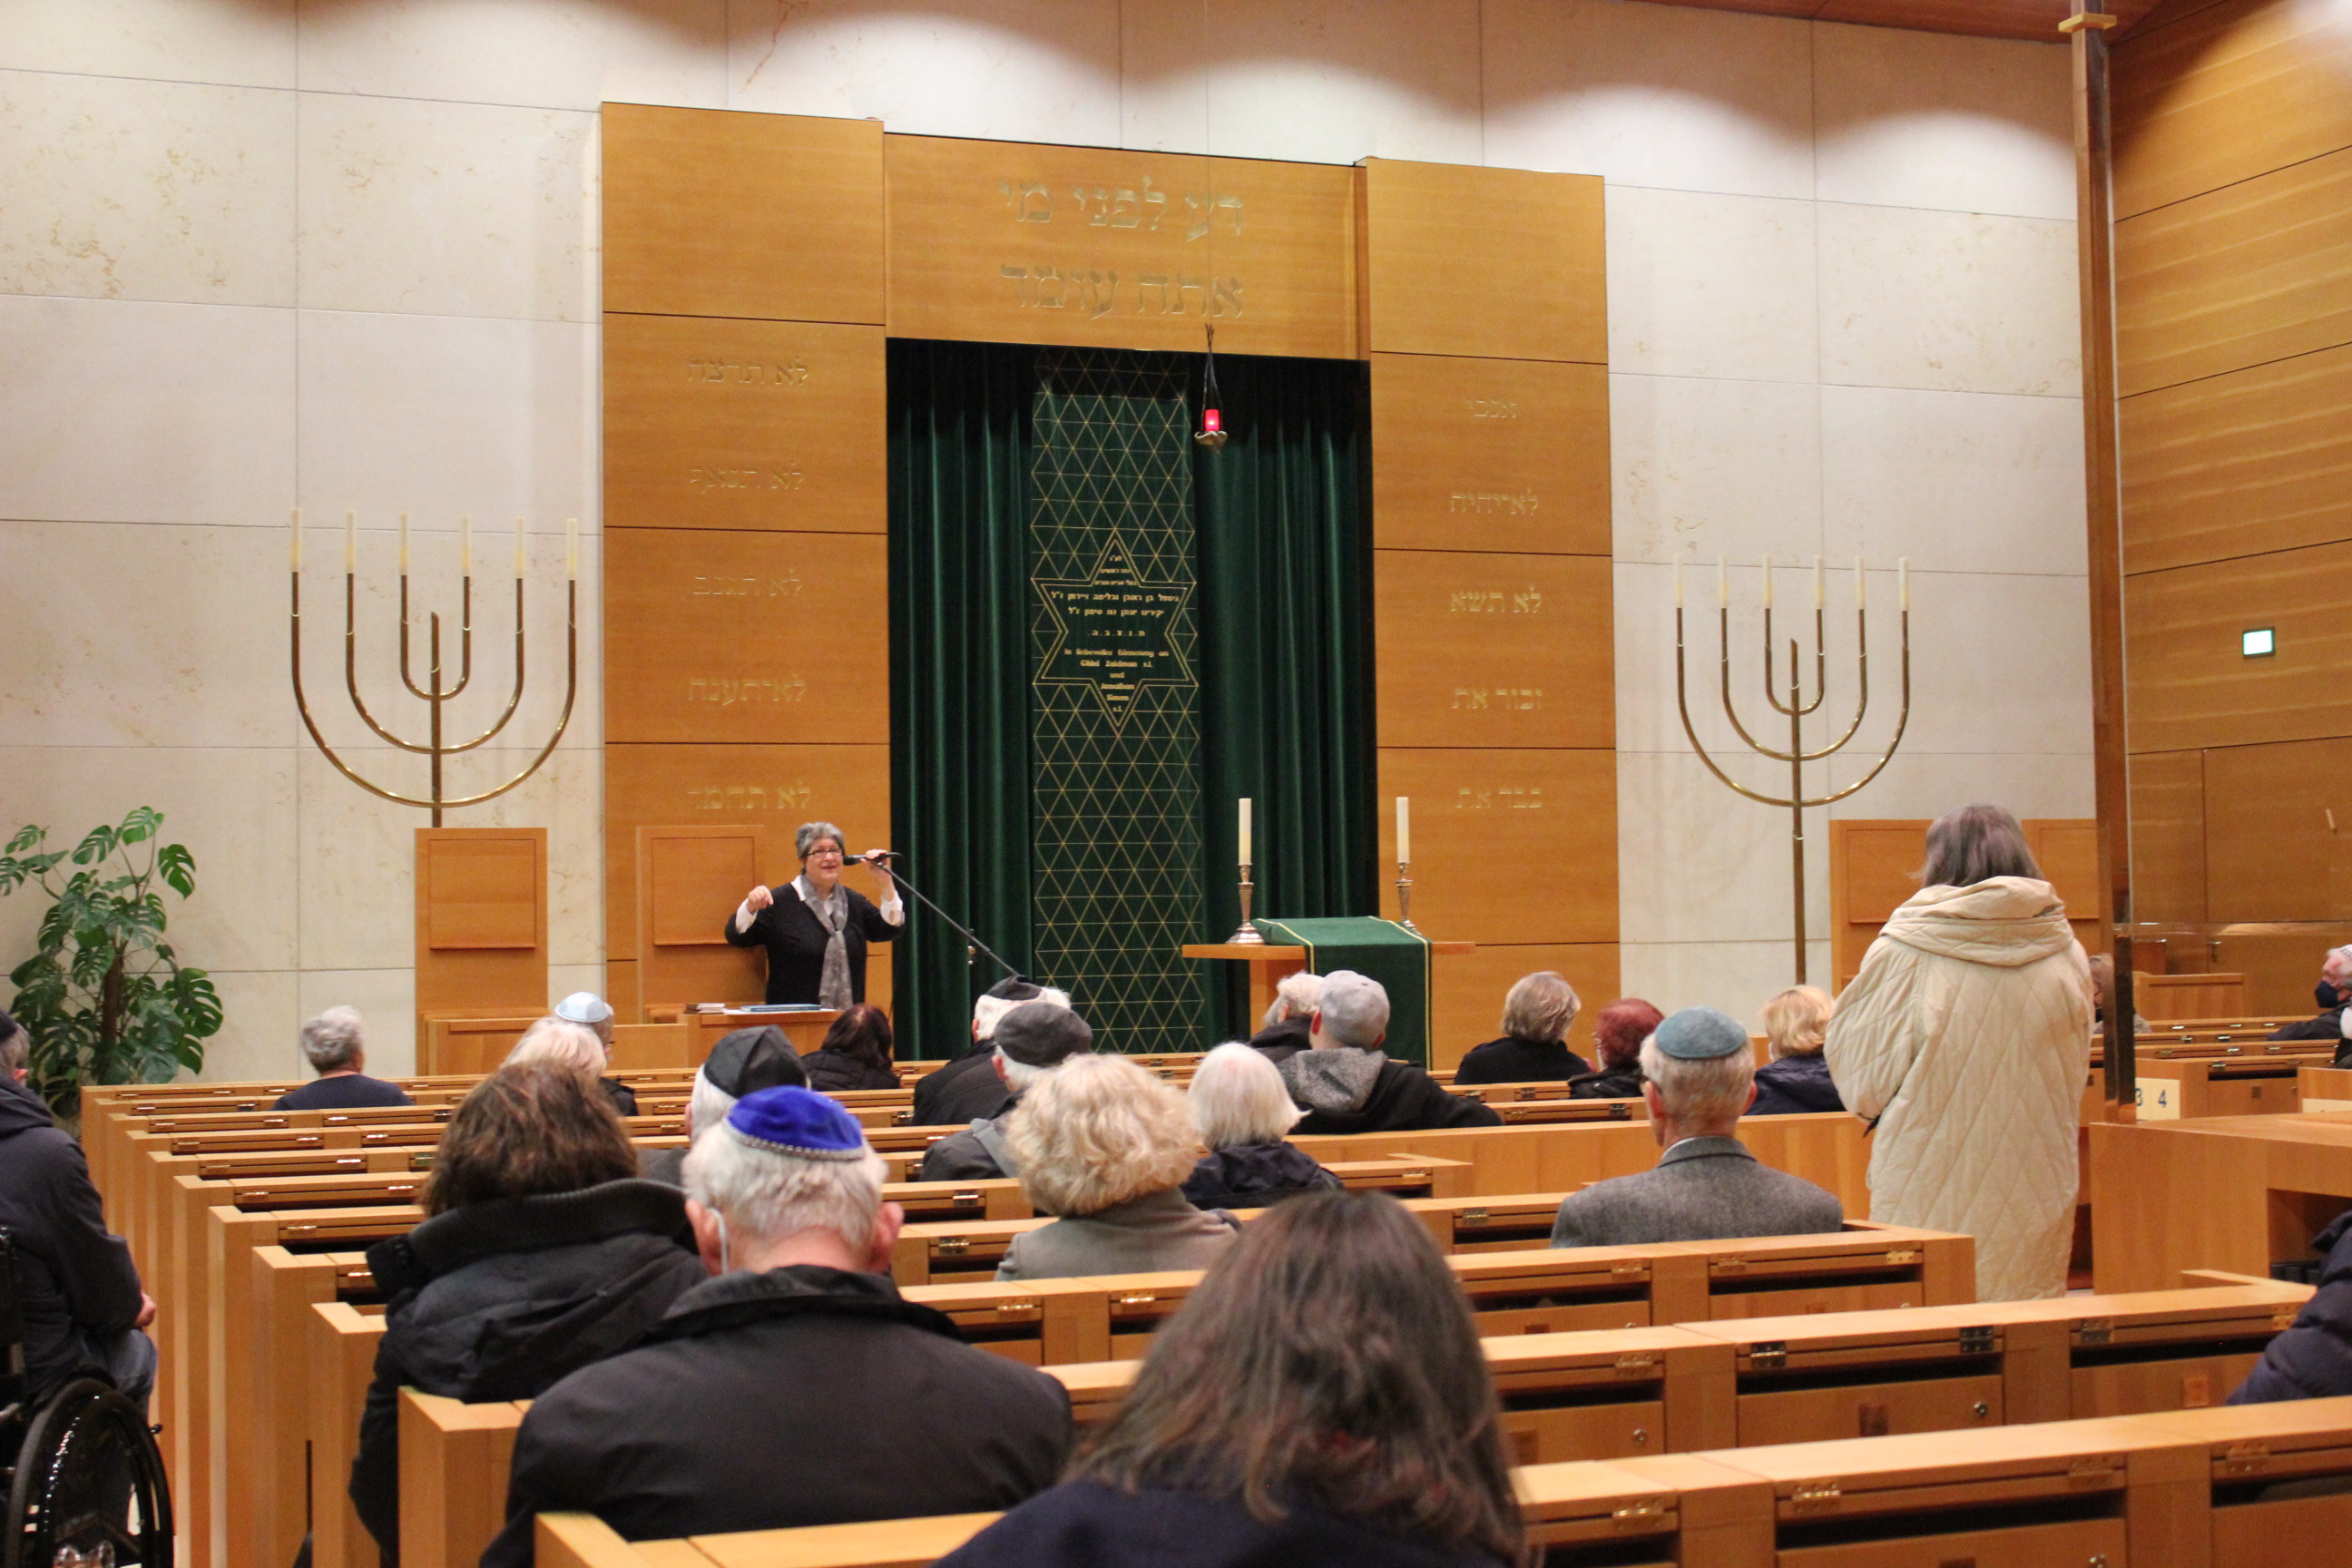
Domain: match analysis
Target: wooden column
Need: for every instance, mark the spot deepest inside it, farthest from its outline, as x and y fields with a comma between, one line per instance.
x=746, y=580
x=1485, y=321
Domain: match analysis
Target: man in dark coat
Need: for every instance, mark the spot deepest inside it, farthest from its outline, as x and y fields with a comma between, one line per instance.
x=2312, y=1360
x=1345, y=1083
x=797, y=1387
x=499, y=1300
x=1030, y=1041
x=743, y=1061
x=1700, y=1074
x=970, y=1088
x=83, y=1309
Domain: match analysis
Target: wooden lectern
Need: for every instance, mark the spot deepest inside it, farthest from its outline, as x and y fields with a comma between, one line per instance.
x=1269, y=966
x=481, y=925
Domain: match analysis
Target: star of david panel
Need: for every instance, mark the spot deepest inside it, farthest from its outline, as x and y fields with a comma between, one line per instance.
x=1114, y=782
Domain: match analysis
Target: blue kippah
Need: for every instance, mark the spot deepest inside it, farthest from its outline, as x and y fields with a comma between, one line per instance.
x=796, y=1121
x=1701, y=1034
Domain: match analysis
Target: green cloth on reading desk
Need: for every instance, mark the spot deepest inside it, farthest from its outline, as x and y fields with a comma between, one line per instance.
x=1385, y=950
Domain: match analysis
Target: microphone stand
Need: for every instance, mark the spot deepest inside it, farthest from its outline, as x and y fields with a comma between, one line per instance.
x=959, y=927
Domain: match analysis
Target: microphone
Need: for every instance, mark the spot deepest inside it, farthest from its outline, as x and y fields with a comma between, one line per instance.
x=876, y=859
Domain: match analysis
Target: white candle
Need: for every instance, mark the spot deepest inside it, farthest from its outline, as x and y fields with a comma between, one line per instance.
x=572, y=549
x=1903, y=583
x=1246, y=831
x=1678, y=582
x=403, y=545
x=351, y=542
x=1722, y=582
x=1404, y=830
x=518, y=550
x=1861, y=586
x=464, y=545
x=298, y=539
x=1768, y=582
x=1818, y=585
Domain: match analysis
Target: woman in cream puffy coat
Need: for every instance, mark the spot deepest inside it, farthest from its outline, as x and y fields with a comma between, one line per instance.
x=1966, y=1040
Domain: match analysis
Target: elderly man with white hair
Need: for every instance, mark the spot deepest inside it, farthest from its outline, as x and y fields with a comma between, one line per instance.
x=1029, y=1042
x=1283, y=1032
x=1243, y=1113
x=337, y=1051
x=2333, y=992
x=1345, y=1083
x=970, y=1088
x=795, y=1386
x=744, y=1061
x=1699, y=1077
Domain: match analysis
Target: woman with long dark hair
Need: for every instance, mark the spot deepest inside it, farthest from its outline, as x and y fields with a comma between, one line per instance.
x=856, y=1053
x=1321, y=1399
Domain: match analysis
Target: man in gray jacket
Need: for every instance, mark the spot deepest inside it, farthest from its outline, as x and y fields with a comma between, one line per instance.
x=1699, y=1077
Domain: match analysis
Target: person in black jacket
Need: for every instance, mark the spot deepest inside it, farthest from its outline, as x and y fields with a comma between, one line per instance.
x=542, y=1253
x=1534, y=1047
x=1242, y=1110
x=970, y=1088
x=78, y=1291
x=2333, y=990
x=856, y=1053
x=337, y=1051
x=1283, y=1032
x=814, y=930
x=1617, y=1037
x=2312, y=1358
x=1028, y=1042
x=1798, y=1078
x=1347, y=1084
x=797, y=1387
x=743, y=1060
x=1239, y=1443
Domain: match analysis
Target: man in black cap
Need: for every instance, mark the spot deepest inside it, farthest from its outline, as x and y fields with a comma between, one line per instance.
x=1031, y=1041
x=968, y=1088
x=797, y=1387
x=1699, y=1077
x=742, y=1062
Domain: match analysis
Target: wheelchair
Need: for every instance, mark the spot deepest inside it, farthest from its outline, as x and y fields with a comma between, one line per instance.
x=85, y=1483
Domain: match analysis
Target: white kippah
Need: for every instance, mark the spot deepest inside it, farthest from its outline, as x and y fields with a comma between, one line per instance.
x=584, y=1007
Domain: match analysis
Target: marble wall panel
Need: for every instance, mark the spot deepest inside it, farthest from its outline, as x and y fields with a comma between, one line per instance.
x=386, y=1000
x=196, y=667
x=146, y=412
x=122, y=189
x=1936, y=120
x=260, y=1017
x=1330, y=81
x=1670, y=98
x=243, y=42
x=447, y=209
x=1699, y=863
x=1711, y=286
x=1952, y=302
x=548, y=54
x=1737, y=977
x=1709, y=468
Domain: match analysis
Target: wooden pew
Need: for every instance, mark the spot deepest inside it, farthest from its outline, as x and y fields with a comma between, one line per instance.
x=2184, y=1086
x=2324, y=1090
x=453, y=1462
x=342, y=1341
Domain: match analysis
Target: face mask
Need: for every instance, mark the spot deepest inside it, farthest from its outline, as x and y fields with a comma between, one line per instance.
x=726, y=1265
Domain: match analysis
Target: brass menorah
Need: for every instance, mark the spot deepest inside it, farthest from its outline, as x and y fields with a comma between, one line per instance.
x=1795, y=709
x=437, y=745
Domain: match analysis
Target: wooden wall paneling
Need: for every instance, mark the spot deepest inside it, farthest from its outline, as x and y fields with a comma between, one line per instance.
x=2257, y=460
x=2191, y=683
x=2168, y=824
x=2068, y=853
x=733, y=636
x=2281, y=967
x=1873, y=866
x=1477, y=649
x=2257, y=271
x=683, y=874
x=481, y=924
x=1470, y=989
x=1490, y=454
x=2226, y=93
x=1494, y=263
x=1294, y=256
x=1510, y=846
x=2269, y=855
x=720, y=212
x=714, y=423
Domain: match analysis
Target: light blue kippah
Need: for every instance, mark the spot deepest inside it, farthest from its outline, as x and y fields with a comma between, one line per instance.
x=800, y=1122
x=1700, y=1035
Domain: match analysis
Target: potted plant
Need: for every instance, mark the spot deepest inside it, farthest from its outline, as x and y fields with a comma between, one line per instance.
x=103, y=997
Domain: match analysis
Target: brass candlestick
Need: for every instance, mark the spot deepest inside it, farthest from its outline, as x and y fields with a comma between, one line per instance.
x=1247, y=936
x=1404, y=896
x=436, y=746
x=1796, y=710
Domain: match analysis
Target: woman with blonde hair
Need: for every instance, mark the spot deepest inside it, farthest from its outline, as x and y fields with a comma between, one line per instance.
x=1241, y=1110
x=1105, y=1146
x=578, y=1047
x=1797, y=1079
x=1534, y=1045
x=1965, y=1042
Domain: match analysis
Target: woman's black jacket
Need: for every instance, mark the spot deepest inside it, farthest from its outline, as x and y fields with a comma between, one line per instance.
x=499, y=1300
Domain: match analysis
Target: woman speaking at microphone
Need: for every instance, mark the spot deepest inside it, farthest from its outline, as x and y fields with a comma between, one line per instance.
x=815, y=930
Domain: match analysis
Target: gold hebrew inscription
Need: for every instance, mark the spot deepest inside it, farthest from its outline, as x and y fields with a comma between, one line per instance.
x=733, y=587
x=1494, y=407
x=730, y=691
x=746, y=373
x=1119, y=207
x=738, y=798
x=1527, y=601
x=1485, y=798
x=1497, y=699
x=784, y=476
x=1095, y=292
x=1491, y=503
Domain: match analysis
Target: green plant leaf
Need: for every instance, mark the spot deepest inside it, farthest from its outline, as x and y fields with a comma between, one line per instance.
x=140, y=824
x=29, y=836
x=178, y=868
x=96, y=844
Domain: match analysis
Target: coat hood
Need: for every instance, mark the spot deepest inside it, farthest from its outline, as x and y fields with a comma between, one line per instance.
x=2007, y=921
x=449, y=1241
x=733, y=1299
x=21, y=1109
x=1337, y=1078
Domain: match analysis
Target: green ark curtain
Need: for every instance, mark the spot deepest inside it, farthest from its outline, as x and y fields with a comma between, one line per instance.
x=1285, y=655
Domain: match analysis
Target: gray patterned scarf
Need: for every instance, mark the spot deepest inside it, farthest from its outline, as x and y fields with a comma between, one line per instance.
x=833, y=913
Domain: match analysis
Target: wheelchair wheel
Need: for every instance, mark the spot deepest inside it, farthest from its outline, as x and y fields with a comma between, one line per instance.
x=89, y=1489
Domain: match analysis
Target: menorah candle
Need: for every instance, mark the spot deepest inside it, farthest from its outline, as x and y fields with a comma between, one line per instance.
x=1903, y=583
x=1404, y=829
x=1723, y=582
x=464, y=545
x=1246, y=830
x=1678, y=582
x=403, y=545
x=1817, y=584
x=298, y=539
x=572, y=549
x=351, y=542
x=518, y=550
x=1768, y=582
x=1861, y=586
